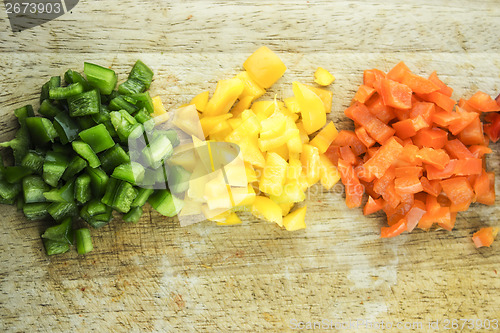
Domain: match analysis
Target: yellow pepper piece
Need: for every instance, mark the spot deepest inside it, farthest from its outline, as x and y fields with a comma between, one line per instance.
x=329, y=175
x=234, y=122
x=325, y=95
x=217, y=194
x=226, y=93
x=265, y=67
x=249, y=127
x=251, y=152
x=325, y=137
x=250, y=172
x=311, y=108
x=200, y=101
x=274, y=175
x=294, y=169
x=292, y=192
x=231, y=219
x=310, y=163
x=281, y=150
x=295, y=220
x=158, y=107
x=285, y=208
x=263, y=109
x=304, y=137
x=292, y=104
x=323, y=77
x=243, y=196
x=243, y=104
x=215, y=215
x=221, y=132
x=273, y=126
x=213, y=124
x=251, y=89
x=265, y=208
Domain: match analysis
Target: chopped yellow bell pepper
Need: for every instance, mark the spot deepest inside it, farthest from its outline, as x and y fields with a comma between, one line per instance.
x=295, y=220
x=231, y=219
x=304, y=137
x=291, y=193
x=243, y=196
x=265, y=208
x=243, y=104
x=251, y=89
x=325, y=137
x=251, y=152
x=292, y=104
x=325, y=95
x=329, y=174
x=311, y=108
x=226, y=93
x=250, y=172
x=323, y=77
x=265, y=67
x=310, y=163
x=274, y=175
x=200, y=101
x=263, y=109
x=158, y=108
x=213, y=124
x=294, y=169
x=281, y=150
x=285, y=208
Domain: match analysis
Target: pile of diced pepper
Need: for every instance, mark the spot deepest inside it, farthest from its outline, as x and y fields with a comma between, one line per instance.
x=280, y=158
x=72, y=159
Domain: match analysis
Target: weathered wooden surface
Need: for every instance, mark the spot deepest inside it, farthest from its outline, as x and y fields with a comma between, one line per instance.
x=156, y=276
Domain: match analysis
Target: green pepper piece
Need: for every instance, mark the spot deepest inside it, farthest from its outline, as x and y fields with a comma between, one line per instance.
x=74, y=77
x=36, y=210
x=33, y=189
x=21, y=143
x=131, y=172
x=86, y=103
x=83, y=192
x=54, y=82
x=165, y=203
x=97, y=138
x=142, y=73
x=121, y=103
x=100, y=77
x=86, y=152
x=61, y=232
x=53, y=168
x=76, y=165
x=134, y=215
x=66, y=128
x=55, y=247
x=41, y=130
x=61, y=210
x=98, y=181
x=9, y=191
x=110, y=192
x=113, y=157
x=142, y=197
x=83, y=241
x=124, y=196
x=48, y=109
x=70, y=90
x=65, y=193
x=33, y=160
x=14, y=174
x=131, y=86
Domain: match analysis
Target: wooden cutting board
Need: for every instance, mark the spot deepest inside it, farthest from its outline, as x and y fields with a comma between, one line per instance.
x=157, y=276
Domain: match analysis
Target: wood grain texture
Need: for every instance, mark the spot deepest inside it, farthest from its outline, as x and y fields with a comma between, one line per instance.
x=157, y=277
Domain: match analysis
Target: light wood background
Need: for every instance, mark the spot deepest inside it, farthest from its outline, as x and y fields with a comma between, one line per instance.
x=157, y=277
